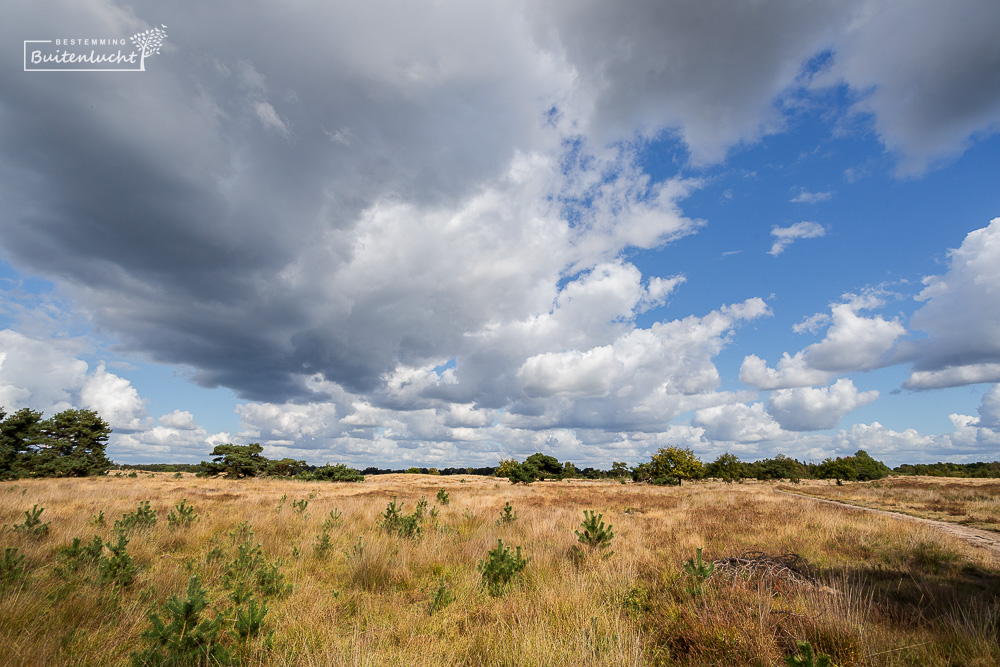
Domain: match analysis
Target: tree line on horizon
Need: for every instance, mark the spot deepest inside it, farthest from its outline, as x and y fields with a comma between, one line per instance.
x=72, y=444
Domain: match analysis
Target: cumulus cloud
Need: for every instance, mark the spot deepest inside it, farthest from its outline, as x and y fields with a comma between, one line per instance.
x=114, y=398
x=44, y=375
x=852, y=342
x=784, y=236
x=48, y=376
x=737, y=422
x=179, y=419
x=789, y=372
x=989, y=409
x=645, y=377
x=960, y=316
x=816, y=408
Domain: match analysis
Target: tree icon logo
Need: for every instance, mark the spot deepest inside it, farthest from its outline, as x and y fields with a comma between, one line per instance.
x=148, y=42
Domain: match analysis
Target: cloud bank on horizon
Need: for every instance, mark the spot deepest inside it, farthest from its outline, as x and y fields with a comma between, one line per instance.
x=442, y=233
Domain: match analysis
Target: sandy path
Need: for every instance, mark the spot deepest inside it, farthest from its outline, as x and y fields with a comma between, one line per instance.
x=983, y=539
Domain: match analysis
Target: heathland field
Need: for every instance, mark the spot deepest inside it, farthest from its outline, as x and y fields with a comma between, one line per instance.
x=271, y=572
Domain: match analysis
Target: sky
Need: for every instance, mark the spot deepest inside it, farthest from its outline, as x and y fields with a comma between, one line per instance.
x=446, y=233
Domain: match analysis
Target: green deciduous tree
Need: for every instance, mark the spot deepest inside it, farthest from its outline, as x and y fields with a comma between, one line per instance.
x=727, y=467
x=677, y=462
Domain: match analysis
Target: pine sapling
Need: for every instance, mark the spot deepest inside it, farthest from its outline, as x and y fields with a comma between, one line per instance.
x=808, y=657
x=184, y=638
x=443, y=497
x=332, y=519
x=182, y=515
x=143, y=517
x=33, y=525
x=11, y=567
x=323, y=545
x=442, y=598
x=118, y=569
x=250, y=621
x=595, y=535
x=507, y=515
x=499, y=567
x=700, y=571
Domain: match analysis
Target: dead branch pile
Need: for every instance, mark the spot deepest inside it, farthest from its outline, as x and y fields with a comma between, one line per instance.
x=786, y=568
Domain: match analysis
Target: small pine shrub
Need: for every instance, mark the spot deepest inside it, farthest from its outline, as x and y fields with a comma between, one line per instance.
x=33, y=525
x=391, y=516
x=77, y=554
x=443, y=497
x=271, y=581
x=442, y=598
x=595, y=535
x=143, y=517
x=700, y=571
x=409, y=526
x=182, y=515
x=11, y=568
x=499, y=567
x=332, y=519
x=323, y=545
x=300, y=505
x=185, y=638
x=357, y=551
x=404, y=525
x=118, y=569
x=97, y=519
x=808, y=657
x=421, y=508
x=507, y=515
x=250, y=621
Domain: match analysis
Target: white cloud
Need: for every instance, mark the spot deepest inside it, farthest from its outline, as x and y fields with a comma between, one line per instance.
x=882, y=442
x=646, y=375
x=966, y=443
x=179, y=419
x=114, y=398
x=989, y=409
x=806, y=197
x=953, y=376
x=737, y=422
x=852, y=343
x=816, y=409
x=790, y=372
x=961, y=317
x=41, y=374
x=813, y=323
x=784, y=236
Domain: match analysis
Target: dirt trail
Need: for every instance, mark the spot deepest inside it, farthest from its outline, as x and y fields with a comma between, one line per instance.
x=983, y=539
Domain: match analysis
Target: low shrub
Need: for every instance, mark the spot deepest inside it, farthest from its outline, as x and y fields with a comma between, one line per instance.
x=499, y=567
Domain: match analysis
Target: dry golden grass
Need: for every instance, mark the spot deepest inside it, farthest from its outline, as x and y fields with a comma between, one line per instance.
x=893, y=593
x=970, y=502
